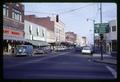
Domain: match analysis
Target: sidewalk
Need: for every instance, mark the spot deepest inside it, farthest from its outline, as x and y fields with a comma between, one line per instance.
x=6, y=53
x=106, y=59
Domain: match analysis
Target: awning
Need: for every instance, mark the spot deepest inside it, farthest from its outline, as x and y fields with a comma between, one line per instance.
x=37, y=43
x=13, y=38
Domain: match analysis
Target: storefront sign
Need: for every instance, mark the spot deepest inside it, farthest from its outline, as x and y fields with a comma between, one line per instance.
x=15, y=33
x=6, y=31
x=12, y=32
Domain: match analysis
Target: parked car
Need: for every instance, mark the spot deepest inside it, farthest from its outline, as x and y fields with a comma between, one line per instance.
x=23, y=50
x=78, y=49
x=87, y=50
x=47, y=50
x=38, y=51
x=42, y=50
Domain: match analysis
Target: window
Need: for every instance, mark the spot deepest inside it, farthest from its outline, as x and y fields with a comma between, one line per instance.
x=16, y=15
x=37, y=31
x=113, y=28
x=42, y=32
x=30, y=29
x=5, y=10
x=57, y=30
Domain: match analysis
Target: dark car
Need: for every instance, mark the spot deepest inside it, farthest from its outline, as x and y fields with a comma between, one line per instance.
x=23, y=50
x=114, y=53
x=78, y=49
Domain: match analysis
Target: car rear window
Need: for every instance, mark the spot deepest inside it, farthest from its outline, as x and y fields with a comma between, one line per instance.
x=86, y=48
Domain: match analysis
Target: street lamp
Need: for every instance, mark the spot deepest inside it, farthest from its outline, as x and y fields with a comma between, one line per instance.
x=93, y=30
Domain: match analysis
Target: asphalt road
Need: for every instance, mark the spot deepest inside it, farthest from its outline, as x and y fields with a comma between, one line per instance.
x=64, y=65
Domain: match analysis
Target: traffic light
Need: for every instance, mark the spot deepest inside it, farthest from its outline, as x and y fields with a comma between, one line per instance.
x=57, y=18
x=101, y=36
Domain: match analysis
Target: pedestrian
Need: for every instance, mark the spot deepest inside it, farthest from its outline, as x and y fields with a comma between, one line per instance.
x=12, y=50
x=91, y=55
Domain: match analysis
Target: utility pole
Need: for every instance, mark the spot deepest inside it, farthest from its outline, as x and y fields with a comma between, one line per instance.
x=101, y=40
x=94, y=34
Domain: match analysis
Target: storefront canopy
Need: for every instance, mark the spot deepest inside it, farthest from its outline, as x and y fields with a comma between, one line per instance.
x=37, y=43
x=13, y=38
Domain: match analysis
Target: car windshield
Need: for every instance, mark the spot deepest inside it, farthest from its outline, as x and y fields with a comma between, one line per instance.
x=21, y=47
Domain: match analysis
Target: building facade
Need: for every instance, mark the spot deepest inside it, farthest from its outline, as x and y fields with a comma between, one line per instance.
x=50, y=36
x=83, y=41
x=13, y=26
x=70, y=37
x=111, y=37
x=55, y=30
x=78, y=40
x=34, y=32
x=58, y=29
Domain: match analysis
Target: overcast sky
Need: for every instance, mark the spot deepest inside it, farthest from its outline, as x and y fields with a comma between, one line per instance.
x=74, y=15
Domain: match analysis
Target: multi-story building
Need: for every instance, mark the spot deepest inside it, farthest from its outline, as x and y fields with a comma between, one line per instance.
x=111, y=37
x=13, y=25
x=78, y=40
x=70, y=37
x=83, y=41
x=59, y=29
x=55, y=30
x=35, y=33
x=46, y=23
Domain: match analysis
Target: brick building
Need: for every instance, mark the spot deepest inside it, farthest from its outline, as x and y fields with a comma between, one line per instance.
x=55, y=30
x=13, y=25
x=46, y=23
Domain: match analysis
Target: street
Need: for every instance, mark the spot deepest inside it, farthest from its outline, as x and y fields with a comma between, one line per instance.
x=63, y=65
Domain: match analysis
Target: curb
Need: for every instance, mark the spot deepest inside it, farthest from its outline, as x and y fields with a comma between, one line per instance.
x=104, y=62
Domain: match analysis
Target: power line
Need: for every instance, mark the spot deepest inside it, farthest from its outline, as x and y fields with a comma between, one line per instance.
x=72, y=10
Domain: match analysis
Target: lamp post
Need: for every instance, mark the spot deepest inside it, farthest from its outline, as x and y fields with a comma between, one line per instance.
x=93, y=30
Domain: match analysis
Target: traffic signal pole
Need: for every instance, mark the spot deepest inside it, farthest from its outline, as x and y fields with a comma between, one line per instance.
x=101, y=35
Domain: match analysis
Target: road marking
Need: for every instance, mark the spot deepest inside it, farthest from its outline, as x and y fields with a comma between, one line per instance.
x=36, y=60
x=114, y=73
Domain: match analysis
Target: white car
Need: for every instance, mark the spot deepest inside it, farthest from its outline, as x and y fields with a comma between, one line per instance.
x=87, y=50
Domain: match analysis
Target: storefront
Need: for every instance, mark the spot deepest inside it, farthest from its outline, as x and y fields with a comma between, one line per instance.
x=11, y=38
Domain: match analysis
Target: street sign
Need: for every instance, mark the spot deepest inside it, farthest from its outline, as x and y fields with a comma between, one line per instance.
x=96, y=26
x=100, y=28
